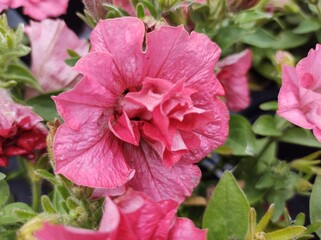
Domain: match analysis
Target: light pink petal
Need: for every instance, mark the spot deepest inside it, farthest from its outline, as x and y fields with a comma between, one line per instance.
x=156, y=180
x=289, y=99
x=76, y=110
x=232, y=75
x=317, y=133
x=308, y=66
x=184, y=57
x=90, y=157
x=185, y=229
x=60, y=232
x=124, y=43
x=42, y=9
x=50, y=40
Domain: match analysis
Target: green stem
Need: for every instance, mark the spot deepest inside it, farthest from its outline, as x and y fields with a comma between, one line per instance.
x=35, y=186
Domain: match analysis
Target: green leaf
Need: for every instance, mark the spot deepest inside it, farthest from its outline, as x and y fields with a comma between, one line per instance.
x=300, y=219
x=44, y=106
x=241, y=139
x=299, y=136
x=265, y=219
x=313, y=228
x=140, y=11
x=260, y=38
x=269, y=106
x=47, y=205
x=285, y=233
x=21, y=74
x=227, y=36
x=5, y=192
x=47, y=175
x=226, y=215
x=8, y=216
x=152, y=10
x=315, y=203
x=72, y=61
x=24, y=215
x=307, y=25
x=265, y=125
x=2, y=176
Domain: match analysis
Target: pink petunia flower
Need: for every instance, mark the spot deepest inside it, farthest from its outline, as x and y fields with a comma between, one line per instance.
x=21, y=132
x=300, y=96
x=37, y=9
x=141, y=117
x=232, y=75
x=50, y=40
x=133, y=216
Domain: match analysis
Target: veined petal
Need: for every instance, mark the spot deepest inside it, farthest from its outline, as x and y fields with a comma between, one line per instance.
x=124, y=44
x=90, y=157
x=156, y=180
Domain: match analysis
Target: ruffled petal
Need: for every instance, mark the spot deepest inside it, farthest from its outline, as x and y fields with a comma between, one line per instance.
x=86, y=101
x=184, y=57
x=289, y=99
x=210, y=135
x=156, y=180
x=185, y=229
x=124, y=43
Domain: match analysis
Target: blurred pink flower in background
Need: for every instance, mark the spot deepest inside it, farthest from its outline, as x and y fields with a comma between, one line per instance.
x=142, y=117
x=300, y=94
x=232, y=74
x=37, y=9
x=50, y=40
x=132, y=216
x=21, y=132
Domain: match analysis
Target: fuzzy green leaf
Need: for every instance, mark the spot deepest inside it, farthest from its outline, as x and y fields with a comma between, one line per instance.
x=226, y=216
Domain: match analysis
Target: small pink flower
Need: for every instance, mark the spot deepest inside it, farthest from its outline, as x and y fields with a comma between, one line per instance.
x=300, y=94
x=232, y=75
x=21, y=132
x=37, y=9
x=133, y=216
x=141, y=117
x=50, y=40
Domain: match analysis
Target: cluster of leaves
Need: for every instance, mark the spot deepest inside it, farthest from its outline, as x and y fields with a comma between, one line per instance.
x=12, y=70
x=66, y=204
x=235, y=219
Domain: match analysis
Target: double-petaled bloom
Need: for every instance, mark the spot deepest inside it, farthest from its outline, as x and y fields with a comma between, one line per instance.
x=21, y=132
x=300, y=94
x=147, y=109
x=132, y=216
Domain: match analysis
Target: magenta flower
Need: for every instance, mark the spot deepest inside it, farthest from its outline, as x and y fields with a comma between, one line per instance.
x=21, y=132
x=133, y=216
x=37, y=9
x=50, y=40
x=141, y=117
x=233, y=76
x=300, y=96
